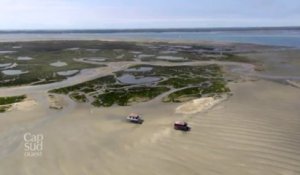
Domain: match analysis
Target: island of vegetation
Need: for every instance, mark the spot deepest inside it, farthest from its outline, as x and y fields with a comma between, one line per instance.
x=6, y=102
x=142, y=83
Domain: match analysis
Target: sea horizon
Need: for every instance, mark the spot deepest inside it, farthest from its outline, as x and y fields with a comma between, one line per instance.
x=273, y=36
x=134, y=30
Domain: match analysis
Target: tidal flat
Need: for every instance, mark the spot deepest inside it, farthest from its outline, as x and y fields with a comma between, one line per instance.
x=43, y=59
x=241, y=101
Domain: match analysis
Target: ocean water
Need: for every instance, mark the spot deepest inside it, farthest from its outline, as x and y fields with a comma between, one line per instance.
x=289, y=38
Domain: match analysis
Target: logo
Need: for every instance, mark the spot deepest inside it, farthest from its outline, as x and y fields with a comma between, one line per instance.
x=33, y=144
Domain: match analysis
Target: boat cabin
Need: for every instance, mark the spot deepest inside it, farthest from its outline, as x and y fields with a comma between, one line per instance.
x=135, y=118
x=181, y=125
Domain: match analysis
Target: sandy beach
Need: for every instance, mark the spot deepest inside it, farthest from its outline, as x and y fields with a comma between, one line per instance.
x=255, y=131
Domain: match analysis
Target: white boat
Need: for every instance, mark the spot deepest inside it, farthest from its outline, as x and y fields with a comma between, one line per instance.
x=134, y=118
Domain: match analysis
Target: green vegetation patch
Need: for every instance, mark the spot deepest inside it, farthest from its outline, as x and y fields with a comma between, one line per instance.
x=213, y=88
x=180, y=82
x=124, y=96
x=5, y=102
x=11, y=100
x=191, y=82
x=4, y=108
x=211, y=70
x=43, y=53
x=236, y=58
x=78, y=97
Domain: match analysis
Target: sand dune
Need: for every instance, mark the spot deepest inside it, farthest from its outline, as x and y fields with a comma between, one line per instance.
x=26, y=105
x=199, y=105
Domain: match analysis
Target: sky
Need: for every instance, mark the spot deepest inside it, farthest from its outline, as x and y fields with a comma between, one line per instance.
x=132, y=14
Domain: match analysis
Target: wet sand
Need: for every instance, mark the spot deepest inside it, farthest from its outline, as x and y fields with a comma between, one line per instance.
x=279, y=63
x=255, y=131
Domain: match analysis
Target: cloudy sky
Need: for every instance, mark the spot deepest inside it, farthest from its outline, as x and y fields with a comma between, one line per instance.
x=111, y=14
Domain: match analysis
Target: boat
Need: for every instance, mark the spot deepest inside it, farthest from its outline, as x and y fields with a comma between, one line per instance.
x=181, y=125
x=134, y=118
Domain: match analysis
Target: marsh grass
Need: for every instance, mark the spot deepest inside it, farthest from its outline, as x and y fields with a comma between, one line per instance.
x=4, y=108
x=216, y=87
x=11, y=100
x=46, y=52
x=107, y=91
x=6, y=102
x=78, y=97
x=124, y=96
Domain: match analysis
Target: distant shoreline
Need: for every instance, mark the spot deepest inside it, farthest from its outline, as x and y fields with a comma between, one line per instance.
x=255, y=46
x=282, y=37
x=154, y=30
